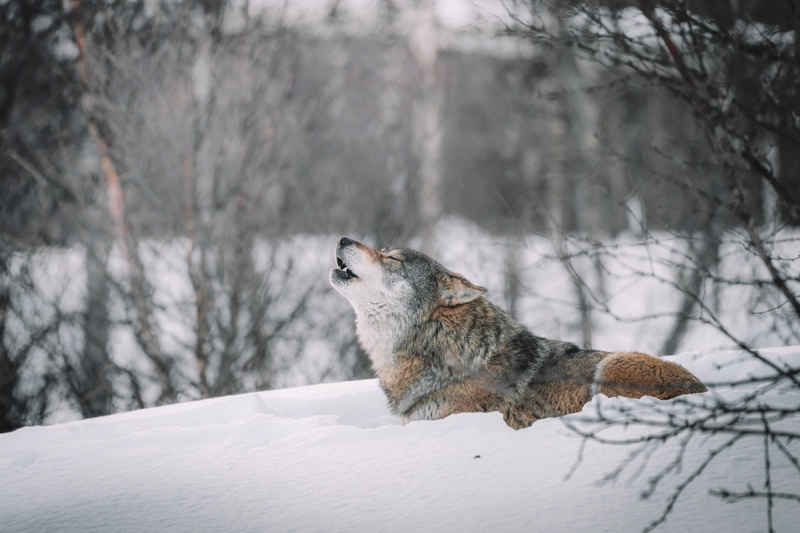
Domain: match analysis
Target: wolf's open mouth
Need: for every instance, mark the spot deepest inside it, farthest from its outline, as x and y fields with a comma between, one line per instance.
x=343, y=268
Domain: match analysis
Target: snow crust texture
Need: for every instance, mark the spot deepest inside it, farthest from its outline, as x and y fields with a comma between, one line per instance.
x=331, y=457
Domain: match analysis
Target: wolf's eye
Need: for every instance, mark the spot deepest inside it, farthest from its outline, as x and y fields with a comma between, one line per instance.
x=393, y=258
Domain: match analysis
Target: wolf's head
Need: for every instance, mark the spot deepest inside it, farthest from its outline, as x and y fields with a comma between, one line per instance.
x=396, y=283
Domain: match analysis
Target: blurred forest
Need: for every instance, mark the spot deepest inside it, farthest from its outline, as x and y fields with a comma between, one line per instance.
x=216, y=148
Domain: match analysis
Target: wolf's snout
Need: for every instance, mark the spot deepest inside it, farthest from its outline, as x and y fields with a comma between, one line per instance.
x=344, y=257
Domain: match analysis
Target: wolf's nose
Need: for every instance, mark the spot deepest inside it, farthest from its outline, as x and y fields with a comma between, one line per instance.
x=344, y=241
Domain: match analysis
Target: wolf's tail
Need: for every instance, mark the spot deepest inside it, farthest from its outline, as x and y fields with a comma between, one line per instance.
x=634, y=375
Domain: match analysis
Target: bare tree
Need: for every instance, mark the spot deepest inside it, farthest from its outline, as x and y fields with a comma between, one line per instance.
x=36, y=129
x=94, y=71
x=735, y=71
x=184, y=134
x=225, y=125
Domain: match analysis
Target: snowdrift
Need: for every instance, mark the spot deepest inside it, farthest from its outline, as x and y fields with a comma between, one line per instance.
x=332, y=458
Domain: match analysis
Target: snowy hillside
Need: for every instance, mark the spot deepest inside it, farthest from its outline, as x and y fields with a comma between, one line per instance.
x=332, y=458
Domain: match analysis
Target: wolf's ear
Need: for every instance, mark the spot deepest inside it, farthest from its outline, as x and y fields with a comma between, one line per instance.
x=455, y=290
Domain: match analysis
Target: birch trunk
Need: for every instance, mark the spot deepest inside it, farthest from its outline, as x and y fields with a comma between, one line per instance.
x=427, y=121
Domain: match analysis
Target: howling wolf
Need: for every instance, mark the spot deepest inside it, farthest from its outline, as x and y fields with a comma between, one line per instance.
x=438, y=347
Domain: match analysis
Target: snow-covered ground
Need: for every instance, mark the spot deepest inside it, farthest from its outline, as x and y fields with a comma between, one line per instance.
x=332, y=458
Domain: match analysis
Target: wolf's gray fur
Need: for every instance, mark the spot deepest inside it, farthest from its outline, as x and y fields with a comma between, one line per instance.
x=438, y=347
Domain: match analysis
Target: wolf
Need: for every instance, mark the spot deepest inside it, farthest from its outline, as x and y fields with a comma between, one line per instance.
x=439, y=347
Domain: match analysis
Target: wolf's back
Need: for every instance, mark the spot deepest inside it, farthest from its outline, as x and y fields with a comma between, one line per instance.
x=539, y=378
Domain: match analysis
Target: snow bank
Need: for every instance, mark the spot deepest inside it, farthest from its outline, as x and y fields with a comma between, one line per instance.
x=332, y=458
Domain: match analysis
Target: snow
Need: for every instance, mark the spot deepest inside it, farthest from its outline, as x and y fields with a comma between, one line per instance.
x=331, y=457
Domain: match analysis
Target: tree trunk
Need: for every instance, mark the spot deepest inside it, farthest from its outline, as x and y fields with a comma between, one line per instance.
x=706, y=258
x=9, y=369
x=571, y=128
x=427, y=122
x=513, y=277
x=92, y=386
x=139, y=292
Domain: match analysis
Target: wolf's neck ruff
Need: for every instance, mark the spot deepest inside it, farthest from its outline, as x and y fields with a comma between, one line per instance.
x=379, y=335
x=439, y=348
